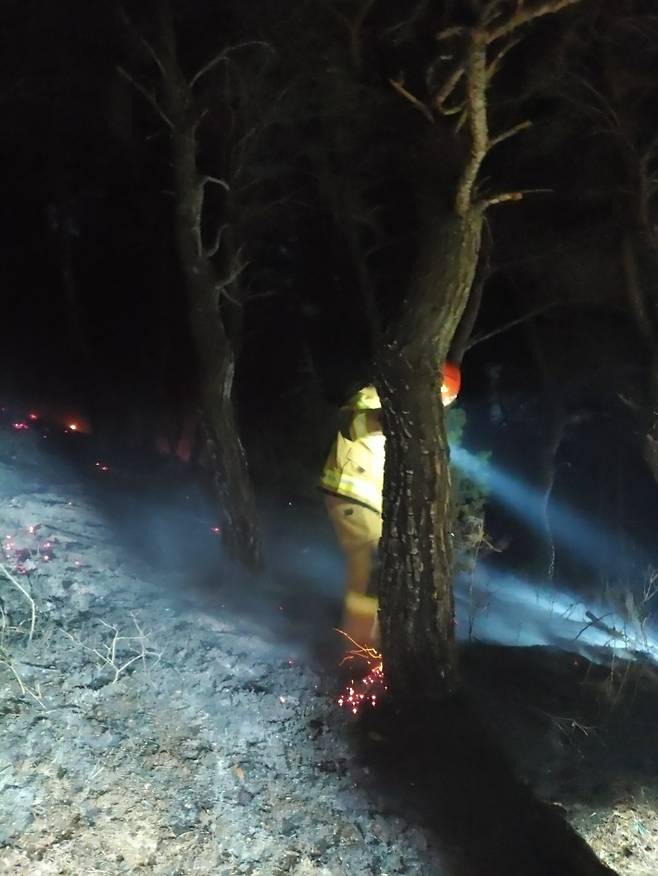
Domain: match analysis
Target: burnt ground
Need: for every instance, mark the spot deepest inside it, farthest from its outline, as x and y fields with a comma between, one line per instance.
x=170, y=717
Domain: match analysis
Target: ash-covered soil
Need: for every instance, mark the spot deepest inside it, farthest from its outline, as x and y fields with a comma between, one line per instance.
x=168, y=716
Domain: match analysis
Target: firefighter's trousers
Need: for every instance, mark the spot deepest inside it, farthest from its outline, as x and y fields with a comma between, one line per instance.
x=358, y=530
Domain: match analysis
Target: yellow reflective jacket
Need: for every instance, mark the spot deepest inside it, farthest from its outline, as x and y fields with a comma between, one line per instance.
x=355, y=465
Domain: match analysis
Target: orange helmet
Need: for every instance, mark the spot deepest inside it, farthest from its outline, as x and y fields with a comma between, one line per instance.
x=452, y=379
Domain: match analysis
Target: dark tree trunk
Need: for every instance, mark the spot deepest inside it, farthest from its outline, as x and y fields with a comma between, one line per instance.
x=553, y=425
x=642, y=314
x=214, y=348
x=417, y=610
x=651, y=436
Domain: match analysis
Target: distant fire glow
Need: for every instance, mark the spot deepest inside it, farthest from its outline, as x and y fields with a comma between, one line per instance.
x=22, y=552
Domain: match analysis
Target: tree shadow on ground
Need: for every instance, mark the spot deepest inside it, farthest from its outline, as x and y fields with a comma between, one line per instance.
x=442, y=766
x=576, y=730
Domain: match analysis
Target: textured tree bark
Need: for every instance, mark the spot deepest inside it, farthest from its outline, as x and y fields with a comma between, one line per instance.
x=215, y=352
x=417, y=609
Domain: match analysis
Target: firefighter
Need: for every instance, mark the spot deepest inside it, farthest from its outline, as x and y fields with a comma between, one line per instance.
x=352, y=481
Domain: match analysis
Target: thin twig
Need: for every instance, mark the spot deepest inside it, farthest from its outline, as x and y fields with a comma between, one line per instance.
x=506, y=197
x=224, y=56
x=33, y=608
x=446, y=90
x=523, y=15
x=142, y=39
x=476, y=99
x=494, y=66
x=151, y=98
x=203, y=182
x=355, y=30
x=500, y=138
x=214, y=249
x=109, y=658
x=479, y=339
x=35, y=694
x=413, y=100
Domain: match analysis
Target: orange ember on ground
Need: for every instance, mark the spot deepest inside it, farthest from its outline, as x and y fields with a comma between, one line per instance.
x=367, y=690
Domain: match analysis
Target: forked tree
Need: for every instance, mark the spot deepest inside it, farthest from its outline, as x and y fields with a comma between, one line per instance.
x=416, y=597
x=209, y=233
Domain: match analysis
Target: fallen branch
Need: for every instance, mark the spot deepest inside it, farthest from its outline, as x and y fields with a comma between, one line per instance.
x=597, y=623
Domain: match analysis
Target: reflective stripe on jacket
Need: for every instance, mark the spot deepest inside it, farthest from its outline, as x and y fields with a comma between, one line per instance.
x=355, y=465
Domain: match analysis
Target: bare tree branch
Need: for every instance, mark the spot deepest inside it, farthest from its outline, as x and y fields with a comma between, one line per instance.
x=211, y=251
x=33, y=611
x=203, y=182
x=149, y=96
x=447, y=89
x=413, y=100
x=224, y=56
x=524, y=14
x=495, y=65
x=476, y=88
x=506, y=197
x=142, y=39
x=355, y=30
x=500, y=138
x=236, y=269
x=449, y=32
x=479, y=339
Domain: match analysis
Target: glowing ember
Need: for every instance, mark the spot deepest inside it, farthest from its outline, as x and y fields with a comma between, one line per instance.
x=32, y=416
x=102, y=466
x=365, y=692
x=216, y=530
x=368, y=690
x=73, y=427
x=20, y=426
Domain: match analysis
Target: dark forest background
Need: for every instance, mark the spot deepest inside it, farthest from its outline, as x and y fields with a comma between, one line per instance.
x=560, y=371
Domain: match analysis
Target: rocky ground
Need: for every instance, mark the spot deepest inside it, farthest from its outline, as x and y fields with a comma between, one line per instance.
x=162, y=716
